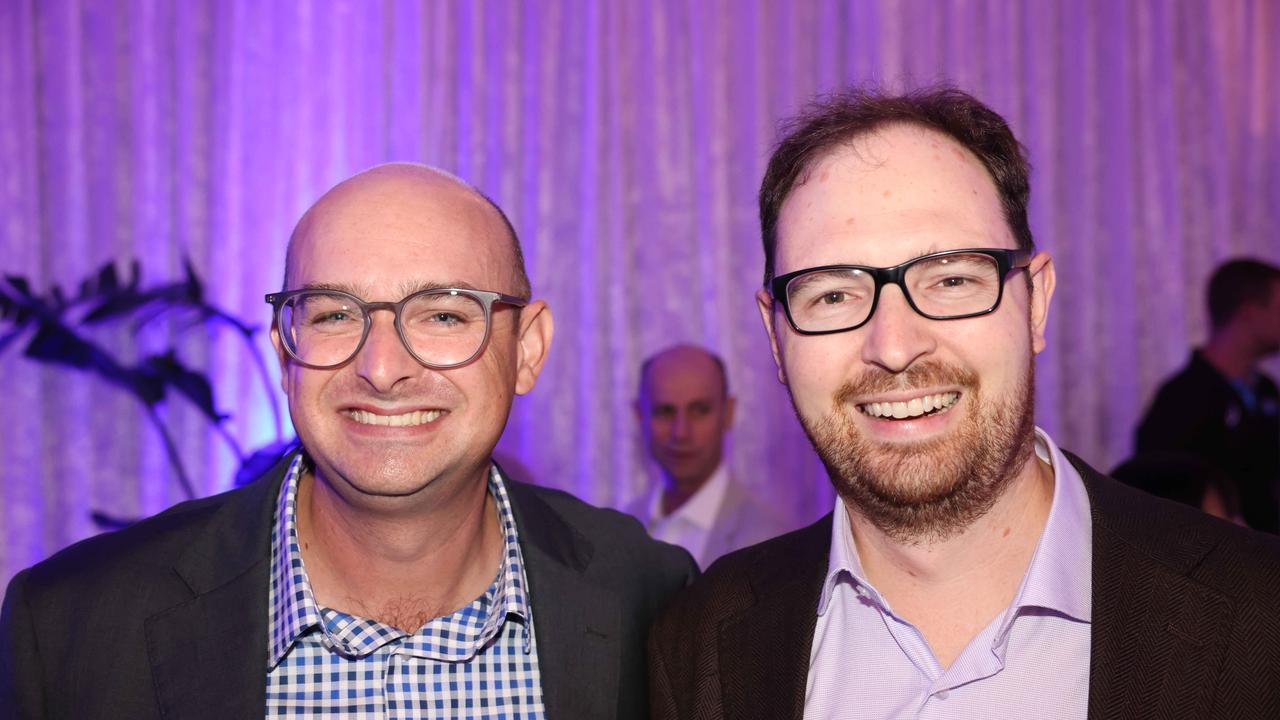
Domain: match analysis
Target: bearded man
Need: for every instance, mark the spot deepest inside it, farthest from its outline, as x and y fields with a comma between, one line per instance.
x=971, y=568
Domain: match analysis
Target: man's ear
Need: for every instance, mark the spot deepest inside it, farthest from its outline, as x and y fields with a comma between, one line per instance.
x=765, y=303
x=1043, y=280
x=730, y=406
x=282, y=357
x=536, y=329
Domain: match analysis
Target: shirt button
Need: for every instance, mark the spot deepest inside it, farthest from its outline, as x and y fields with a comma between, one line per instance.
x=942, y=694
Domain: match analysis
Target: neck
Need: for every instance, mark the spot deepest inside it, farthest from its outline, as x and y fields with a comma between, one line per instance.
x=953, y=588
x=1230, y=351
x=399, y=564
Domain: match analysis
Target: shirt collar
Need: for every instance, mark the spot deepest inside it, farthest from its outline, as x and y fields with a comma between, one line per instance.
x=702, y=508
x=1059, y=577
x=294, y=610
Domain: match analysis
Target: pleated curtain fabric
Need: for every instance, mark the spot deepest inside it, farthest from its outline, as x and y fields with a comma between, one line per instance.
x=626, y=140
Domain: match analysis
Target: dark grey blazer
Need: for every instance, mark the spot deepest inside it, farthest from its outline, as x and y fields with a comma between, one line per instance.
x=168, y=618
x=1186, y=620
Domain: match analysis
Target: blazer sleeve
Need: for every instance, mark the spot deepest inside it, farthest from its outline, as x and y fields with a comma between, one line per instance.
x=21, y=695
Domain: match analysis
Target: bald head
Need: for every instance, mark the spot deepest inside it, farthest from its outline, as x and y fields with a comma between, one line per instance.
x=685, y=410
x=408, y=190
x=684, y=360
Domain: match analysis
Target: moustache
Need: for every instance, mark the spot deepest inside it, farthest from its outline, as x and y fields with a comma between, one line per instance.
x=876, y=381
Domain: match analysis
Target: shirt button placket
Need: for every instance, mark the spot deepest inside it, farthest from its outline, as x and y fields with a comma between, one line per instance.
x=395, y=704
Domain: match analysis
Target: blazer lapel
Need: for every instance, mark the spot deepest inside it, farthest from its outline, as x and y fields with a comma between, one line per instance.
x=577, y=623
x=209, y=654
x=764, y=651
x=1158, y=637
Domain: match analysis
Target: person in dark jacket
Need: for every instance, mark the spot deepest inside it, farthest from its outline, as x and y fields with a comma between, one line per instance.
x=389, y=567
x=970, y=567
x=1221, y=407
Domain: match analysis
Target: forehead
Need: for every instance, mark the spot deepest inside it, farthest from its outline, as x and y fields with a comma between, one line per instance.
x=389, y=232
x=681, y=377
x=886, y=197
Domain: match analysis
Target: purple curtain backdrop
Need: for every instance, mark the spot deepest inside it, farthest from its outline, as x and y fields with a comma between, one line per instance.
x=626, y=140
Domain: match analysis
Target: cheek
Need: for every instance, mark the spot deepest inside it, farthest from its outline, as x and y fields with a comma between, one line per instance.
x=817, y=366
x=488, y=388
x=998, y=352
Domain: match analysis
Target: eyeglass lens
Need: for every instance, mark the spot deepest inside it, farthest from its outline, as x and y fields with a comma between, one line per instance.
x=325, y=329
x=940, y=287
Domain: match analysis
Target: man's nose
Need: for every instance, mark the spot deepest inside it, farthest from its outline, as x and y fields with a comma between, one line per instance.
x=896, y=335
x=384, y=360
x=680, y=426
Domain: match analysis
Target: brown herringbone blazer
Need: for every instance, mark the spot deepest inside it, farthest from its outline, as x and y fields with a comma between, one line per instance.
x=1186, y=620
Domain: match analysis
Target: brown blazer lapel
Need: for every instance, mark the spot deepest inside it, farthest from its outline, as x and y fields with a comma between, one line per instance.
x=764, y=651
x=1158, y=637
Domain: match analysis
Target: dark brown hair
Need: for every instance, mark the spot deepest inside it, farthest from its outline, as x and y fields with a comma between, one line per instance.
x=1238, y=283
x=834, y=120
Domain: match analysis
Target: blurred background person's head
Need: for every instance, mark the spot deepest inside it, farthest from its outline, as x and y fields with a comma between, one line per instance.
x=1244, y=311
x=685, y=410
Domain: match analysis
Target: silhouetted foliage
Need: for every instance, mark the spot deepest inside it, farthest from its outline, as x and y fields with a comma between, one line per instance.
x=57, y=325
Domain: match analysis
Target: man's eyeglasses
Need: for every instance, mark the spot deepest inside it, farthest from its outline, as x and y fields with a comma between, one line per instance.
x=441, y=328
x=946, y=285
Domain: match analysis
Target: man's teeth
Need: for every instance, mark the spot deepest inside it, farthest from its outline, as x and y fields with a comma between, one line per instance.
x=913, y=408
x=417, y=417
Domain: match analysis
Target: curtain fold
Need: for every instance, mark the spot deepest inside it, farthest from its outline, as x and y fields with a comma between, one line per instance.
x=626, y=140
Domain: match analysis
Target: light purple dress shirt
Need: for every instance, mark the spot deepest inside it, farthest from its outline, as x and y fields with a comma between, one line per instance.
x=1032, y=661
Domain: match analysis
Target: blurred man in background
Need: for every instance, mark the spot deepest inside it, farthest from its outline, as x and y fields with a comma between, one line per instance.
x=685, y=410
x=1221, y=407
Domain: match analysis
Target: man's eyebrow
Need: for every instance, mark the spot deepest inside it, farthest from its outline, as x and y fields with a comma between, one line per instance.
x=335, y=287
x=410, y=288
x=930, y=249
x=406, y=289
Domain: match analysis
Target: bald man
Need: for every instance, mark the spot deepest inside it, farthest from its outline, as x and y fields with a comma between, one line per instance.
x=685, y=410
x=388, y=568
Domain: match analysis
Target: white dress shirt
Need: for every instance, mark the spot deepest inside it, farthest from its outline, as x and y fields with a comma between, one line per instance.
x=692, y=524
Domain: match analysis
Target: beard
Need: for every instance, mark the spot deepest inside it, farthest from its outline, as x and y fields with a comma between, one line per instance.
x=929, y=491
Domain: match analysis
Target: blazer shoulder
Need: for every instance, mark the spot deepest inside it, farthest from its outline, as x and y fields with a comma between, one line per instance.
x=154, y=540
x=1235, y=561
x=150, y=548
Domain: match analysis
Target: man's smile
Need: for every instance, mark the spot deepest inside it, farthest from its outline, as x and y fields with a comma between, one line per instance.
x=411, y=418
x=930, y=404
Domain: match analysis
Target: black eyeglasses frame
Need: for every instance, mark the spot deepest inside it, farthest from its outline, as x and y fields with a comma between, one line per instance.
x=1006, y=261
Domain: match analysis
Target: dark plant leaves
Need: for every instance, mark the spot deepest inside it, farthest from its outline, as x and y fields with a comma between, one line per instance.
x=195, y=289
x=168, y=371
x=20, y=284
x=10, y=337
x=108, y=523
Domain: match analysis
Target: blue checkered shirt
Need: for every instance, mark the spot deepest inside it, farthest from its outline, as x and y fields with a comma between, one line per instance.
x=479, y=663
